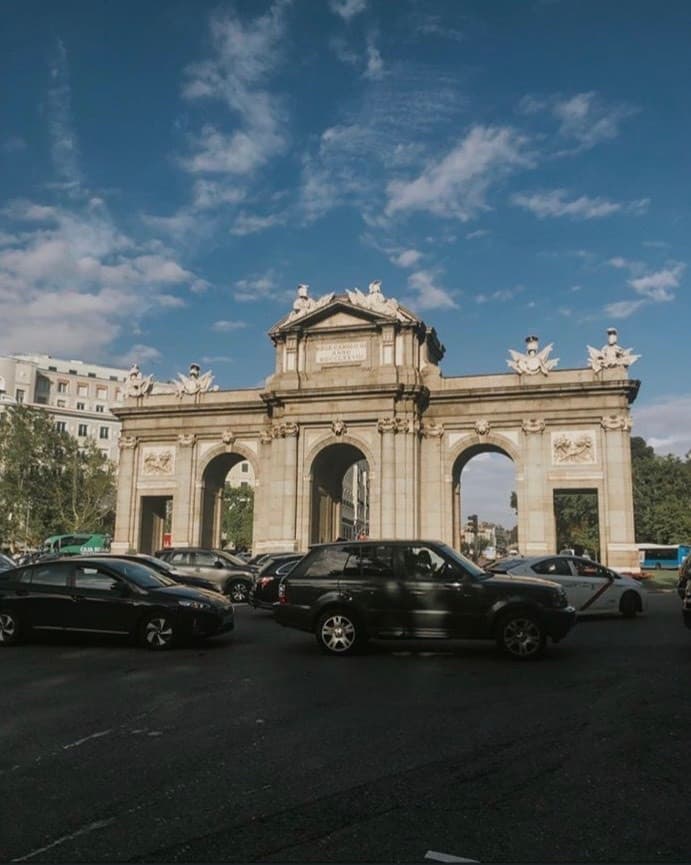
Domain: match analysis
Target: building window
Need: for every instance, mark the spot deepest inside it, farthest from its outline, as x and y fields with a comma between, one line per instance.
x=72, y=371
x=53, y=368
x=99, y=409
x=62, y=387
x=61, y=426
x=113, y=378
x=19, y=395
x=61, y=403
x=102, y=393
x=245, y=468
x=82, y=430
x=80, y=406
x=103, y=432
x=83, y=390
x=91, y=374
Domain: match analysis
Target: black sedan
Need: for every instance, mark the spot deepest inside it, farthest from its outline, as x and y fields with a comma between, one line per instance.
x=164, y=568
x=105, y=595
x=264, y=592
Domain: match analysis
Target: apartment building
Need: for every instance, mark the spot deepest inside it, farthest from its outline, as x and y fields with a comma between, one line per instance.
x=77, y=395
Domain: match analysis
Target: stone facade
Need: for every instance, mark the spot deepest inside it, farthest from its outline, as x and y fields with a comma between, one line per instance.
x=357, y=377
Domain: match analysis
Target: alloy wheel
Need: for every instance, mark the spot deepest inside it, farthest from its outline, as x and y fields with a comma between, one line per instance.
x=338, y=633
x=158, y=633
x=522, y=637
x=8, y=628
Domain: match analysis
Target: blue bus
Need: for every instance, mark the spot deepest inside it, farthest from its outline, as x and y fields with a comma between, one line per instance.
x=668, y=556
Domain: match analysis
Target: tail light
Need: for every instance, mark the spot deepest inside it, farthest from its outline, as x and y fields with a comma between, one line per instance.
x=264, y=581
x=282, y=596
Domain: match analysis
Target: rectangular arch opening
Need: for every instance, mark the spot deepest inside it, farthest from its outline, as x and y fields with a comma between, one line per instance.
x=577, y=521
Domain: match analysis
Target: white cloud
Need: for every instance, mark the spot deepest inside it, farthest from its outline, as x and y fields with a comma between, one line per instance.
x=665, y=424
x=554, y=203
x=457, y=185
x=623, y=308
x=255, y=288
x=226, y=326
x=474, y=235
x=64, y=148
x=407, y=258
x=428, y=295
x=244, y=54
x=657, y=286
x=219, y=358
x=140, y=354
x=347, y=9
x=502, y=295
x=13, y=143
x=586, y=119
x=246, y=223
x=375, y=63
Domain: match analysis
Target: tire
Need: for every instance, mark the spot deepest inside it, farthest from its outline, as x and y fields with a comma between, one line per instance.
x=238, y=591
x=9, y=628
x=521, y=636
x=157, y=632
x=629, y=605
x=338, y=632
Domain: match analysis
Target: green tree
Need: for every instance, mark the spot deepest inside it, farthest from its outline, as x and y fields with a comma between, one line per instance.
x=238, y=516
x=661, y=495
x=577, y=521
x=48, y=484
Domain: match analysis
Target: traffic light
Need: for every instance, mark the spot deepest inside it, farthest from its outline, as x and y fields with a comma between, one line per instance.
x=472, y=523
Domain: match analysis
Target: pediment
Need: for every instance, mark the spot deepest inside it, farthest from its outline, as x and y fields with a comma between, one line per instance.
x=339, y=311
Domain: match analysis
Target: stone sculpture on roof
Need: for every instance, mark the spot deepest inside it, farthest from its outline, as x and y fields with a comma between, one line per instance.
x=137, y=384
x=194, y=382
x=375, y=301
x=303, y=303
x=533, y=361
x=610, y=355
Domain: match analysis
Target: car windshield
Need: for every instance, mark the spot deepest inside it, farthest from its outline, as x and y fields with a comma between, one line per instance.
x=471, y=568
x=5, y=563
x=140, y=574
x=501, y=566
x=235, y=561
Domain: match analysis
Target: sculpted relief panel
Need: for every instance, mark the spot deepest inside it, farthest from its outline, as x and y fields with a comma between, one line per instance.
x=158, y=461
x=573, y=447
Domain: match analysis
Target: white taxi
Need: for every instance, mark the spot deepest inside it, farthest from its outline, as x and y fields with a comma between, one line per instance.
x=590, y=586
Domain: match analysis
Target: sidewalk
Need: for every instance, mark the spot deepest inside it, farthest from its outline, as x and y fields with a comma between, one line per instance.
x=659, y=581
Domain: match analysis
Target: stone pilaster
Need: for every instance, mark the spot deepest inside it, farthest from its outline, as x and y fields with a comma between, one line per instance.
x=387, y=428
x=124, y=536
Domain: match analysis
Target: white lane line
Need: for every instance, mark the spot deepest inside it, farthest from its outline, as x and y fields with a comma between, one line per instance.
x=446, y=857
x=86, y=739
x=92, y=827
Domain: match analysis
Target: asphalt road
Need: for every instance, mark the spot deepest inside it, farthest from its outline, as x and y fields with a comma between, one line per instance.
x=257, y=747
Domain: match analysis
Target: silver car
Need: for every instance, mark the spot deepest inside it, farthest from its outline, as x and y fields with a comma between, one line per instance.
x=229, y=573
x=590, y=586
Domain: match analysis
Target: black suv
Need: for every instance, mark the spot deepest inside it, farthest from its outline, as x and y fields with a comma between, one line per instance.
x=347, y=592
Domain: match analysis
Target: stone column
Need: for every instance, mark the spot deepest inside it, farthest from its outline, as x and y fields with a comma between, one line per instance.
x=432, y=518
x=387, y=500
x=262, y=494
x=289, y=432
x=183, y=506
x=124, y=535
x=617, y=533
x=533, y=493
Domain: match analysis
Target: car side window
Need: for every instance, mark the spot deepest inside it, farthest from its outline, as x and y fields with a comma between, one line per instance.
x=94, y=579
x=586, y=568
x=325, y=562
x=205, y=560
x=422, y=563
x=557, y=566
x=372, y=560
x=179, y=558
x=51, y=575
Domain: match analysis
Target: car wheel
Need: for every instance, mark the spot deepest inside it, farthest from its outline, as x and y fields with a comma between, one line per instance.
x=9, y=628
x=338, y=632
x=238, y=591
x=521, y=636
x=157, y=632
x=629, y=605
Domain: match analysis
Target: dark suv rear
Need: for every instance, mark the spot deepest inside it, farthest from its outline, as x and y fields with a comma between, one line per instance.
x=347, y=592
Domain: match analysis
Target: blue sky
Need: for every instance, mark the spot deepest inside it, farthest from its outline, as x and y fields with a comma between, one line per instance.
x=169, y=172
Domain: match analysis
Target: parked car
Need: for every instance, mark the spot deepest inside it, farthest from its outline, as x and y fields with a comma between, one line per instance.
x=260, y=559
x=684, y=574
x=264, y=591
x=164, y=568
x=590, y=586
x=6, y=563
x=686, y=605
x=346, y=593
x=232, y=575
x=108, y=596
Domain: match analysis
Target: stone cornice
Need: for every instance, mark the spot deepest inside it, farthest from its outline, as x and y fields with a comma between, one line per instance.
x=552, y=388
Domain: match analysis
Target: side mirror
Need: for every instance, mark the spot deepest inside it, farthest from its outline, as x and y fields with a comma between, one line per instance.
x=218, y=564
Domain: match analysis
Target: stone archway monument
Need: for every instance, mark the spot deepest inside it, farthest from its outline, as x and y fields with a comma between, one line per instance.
x=357, y=377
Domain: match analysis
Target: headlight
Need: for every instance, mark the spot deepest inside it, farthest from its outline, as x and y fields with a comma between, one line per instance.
x=196, y=605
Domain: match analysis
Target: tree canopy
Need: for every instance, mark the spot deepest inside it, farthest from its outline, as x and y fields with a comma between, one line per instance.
x=50, y=483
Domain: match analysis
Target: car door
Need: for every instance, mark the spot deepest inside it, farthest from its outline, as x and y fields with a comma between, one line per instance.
x=439, y=601
x=45, y=595
x=103, y=602
x=600, y=592
x=369, y=579
x=559, y=569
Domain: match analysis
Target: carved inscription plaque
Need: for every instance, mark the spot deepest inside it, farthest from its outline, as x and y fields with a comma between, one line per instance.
x=342, y=352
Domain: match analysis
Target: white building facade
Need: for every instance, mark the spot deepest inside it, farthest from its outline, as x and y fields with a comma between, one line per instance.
x=77, y=395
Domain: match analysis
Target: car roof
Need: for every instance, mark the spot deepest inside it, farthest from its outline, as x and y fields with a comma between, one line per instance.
x=378, y=541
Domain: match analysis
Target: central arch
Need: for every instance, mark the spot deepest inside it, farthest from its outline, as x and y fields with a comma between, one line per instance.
x=330, y=501
x=213, y=483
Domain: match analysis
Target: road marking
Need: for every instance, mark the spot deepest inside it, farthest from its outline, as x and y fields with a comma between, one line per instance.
x=446, y=857
x=92, y=827
x=86, y=739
